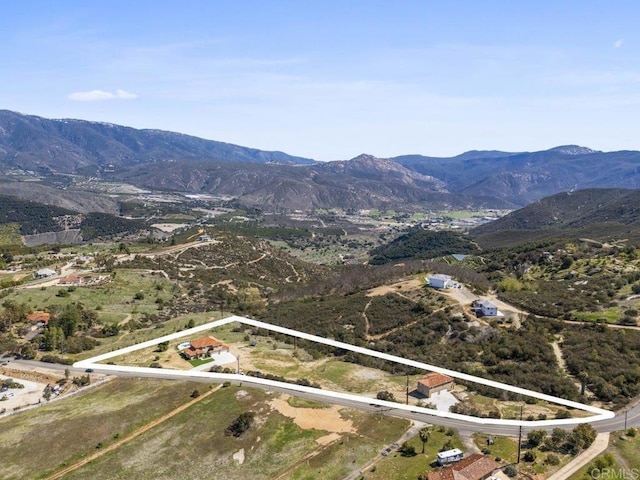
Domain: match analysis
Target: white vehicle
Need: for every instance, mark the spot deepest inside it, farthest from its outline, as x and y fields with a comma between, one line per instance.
x=449, y=456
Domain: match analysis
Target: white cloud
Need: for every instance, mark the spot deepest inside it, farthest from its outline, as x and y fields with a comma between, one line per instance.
x=618, y=43
x=95, y=95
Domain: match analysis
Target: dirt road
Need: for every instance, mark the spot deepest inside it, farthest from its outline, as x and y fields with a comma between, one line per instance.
x=130, y=437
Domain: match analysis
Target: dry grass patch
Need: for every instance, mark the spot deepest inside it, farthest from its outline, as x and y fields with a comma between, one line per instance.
x=42, y=439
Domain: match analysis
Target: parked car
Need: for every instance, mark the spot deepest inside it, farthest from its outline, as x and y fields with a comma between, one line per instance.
x=11, y=394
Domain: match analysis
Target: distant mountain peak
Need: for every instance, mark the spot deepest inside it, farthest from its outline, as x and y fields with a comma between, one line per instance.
x=365, y=157
x=573, y=150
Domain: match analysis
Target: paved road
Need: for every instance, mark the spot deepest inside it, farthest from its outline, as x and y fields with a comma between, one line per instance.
x=631, y=418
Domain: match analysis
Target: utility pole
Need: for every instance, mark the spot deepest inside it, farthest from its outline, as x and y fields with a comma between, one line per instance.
x=520, y=434
x=519, y=443
x=407, y=389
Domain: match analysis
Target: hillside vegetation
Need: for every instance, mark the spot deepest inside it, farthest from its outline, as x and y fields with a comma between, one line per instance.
x=36, y=218
x=601, y=214
x=422, y=244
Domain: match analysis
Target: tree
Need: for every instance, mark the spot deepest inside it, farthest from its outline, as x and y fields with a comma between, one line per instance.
x=424, y=434
x=584, y=378
x=582, y=436
x=536, y=437
x=163, y=346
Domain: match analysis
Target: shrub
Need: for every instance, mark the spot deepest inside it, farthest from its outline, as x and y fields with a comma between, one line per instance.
x=552, y=459
x=510, y=471
x=240, y=424
x=386, y=395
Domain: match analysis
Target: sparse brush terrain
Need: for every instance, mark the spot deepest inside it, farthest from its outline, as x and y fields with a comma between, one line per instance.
x=571, y=323
x=274, y=446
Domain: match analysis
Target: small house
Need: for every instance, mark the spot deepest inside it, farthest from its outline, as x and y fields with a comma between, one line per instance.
x=204, y=347
x=39, y=318
x=440, y=281
x=434, y=382
x=45, y=272
x=487, y=308
x=72, y=280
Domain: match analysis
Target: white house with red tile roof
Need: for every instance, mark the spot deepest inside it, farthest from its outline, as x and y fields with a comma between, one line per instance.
x=204, y=347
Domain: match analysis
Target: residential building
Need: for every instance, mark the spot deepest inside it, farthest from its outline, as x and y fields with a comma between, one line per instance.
x=434, y=382
x=204, y=347
x=71, y=280
x=487, y=308
x=474, y=467
x=440, y=280
x=39, y=318
x=45, y=272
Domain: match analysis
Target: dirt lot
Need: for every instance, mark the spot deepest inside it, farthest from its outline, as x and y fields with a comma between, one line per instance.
x=29, y=395
x=327, y=419
x=404, y=286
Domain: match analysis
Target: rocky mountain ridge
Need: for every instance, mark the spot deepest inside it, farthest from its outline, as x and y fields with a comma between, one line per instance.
x=156, y=159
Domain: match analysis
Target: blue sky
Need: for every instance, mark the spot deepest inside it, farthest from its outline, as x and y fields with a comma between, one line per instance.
x=332, y=79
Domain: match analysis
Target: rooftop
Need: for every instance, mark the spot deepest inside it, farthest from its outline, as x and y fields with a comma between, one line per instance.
x=434, y=379
x=474, y=467
x=207, y=341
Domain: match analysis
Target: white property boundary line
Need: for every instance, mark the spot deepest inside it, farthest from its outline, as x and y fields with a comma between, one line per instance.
x=93, y=363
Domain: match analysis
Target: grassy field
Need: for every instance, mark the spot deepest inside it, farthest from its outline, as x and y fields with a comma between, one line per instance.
x=113, y=301
x=51, y=436
x=275, y=447
x=503, y=447
x=126, y=338
x=610, y=315
x=10, y=234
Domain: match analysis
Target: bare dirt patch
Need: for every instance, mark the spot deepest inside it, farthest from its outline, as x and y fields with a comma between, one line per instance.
x=327, y=419
x=169, y=227
x=405, y=286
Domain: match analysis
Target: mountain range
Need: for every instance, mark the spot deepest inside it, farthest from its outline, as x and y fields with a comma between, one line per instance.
x=157, y=159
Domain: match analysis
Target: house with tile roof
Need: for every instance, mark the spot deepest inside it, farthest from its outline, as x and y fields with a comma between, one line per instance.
x=473, y=467
x=71, y=280
x=434, y=382
x=204, y=347
x=39, y=318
